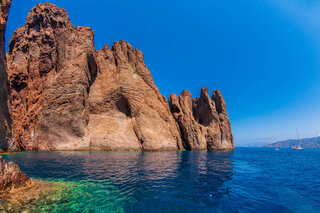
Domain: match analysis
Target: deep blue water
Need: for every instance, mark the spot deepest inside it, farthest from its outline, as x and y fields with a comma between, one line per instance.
x=245, y=180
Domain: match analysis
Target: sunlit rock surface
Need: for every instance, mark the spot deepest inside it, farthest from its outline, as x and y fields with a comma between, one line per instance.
x=203, y=122
x=68, y=96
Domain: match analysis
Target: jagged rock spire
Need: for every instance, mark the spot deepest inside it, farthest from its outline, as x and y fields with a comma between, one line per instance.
x=203, y=122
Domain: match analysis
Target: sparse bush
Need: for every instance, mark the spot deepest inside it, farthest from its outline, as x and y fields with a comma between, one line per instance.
x=134, y=70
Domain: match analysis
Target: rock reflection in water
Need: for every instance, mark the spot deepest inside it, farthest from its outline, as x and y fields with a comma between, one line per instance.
x=138, y=181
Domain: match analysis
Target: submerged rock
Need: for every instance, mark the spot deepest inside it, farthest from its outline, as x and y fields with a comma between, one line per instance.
x=11, y=177
x=203, y=122
x=19, y=193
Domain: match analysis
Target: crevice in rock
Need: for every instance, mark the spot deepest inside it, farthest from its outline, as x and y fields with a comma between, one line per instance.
x=11, y=46
x=218, y=105
x=139, y=139
x=93, y=70
x=124, y=106
x=18, y=86
x=92, y=64
x=175, y=109
x=184, y=141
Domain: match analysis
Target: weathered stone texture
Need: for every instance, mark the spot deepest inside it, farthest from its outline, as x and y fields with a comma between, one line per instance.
x=6, y=141
x=127, y=111
x=203, y=122
x=11, y=177
x=51, y=66
x=68, y=96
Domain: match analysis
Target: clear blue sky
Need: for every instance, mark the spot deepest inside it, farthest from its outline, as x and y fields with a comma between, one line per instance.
x=262, y=54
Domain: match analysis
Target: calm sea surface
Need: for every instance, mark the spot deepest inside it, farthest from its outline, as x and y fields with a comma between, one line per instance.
x=245, y=180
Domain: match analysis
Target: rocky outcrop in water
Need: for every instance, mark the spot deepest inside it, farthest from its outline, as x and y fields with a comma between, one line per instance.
x=6, y=140
x=18, y=192
x=68, y=96
x=11, y=177
x=203, y=121
x=61, y=102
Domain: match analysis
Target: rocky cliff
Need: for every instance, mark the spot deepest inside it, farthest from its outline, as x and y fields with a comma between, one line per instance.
x=203, y=121
x=11, y=177
x=6, y=140
x=127, y=111
x=51, y=66
x=68, y=96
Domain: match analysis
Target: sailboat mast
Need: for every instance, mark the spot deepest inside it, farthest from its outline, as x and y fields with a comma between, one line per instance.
x=298, y=137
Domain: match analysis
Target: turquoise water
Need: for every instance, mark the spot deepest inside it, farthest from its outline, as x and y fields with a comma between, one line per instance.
x=245, y=180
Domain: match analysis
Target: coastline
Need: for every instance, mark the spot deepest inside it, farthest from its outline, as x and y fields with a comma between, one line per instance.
x=152, y=151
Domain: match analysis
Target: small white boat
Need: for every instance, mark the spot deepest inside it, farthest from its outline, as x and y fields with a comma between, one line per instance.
x=297, y=147
x=277, y=149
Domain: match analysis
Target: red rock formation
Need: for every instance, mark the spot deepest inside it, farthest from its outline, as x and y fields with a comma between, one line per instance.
x=11, y=177
x=51, y=65
x=67, y=96
x=127, y=111
x=181, y=108
x=227, y=141
x=6, y=140
x=57, y=92
x=203, y=122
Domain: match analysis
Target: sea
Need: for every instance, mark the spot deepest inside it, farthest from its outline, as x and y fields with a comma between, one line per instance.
x=244, y=180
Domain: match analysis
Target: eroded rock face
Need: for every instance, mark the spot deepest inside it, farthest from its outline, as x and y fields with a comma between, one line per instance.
x=51, y=66
x=227, y=141
x=61, y=102
x=127, y=111
x=68, y=96
x=203, y=122
x=11, y=177
x=6, y=140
